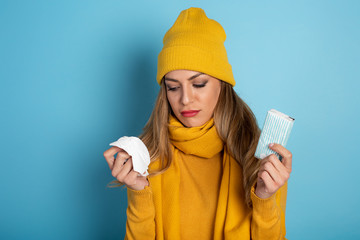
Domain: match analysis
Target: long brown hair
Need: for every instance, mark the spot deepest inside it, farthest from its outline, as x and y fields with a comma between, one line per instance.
x=235, y=123
x=237, y=127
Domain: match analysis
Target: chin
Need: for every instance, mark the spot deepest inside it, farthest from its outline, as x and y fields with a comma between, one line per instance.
x=192, y=123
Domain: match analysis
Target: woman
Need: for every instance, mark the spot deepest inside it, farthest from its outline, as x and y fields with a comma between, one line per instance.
x=205, y=182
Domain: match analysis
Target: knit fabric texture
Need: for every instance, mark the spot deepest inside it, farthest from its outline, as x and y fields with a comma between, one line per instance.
x=195, y=43
x=218, y=209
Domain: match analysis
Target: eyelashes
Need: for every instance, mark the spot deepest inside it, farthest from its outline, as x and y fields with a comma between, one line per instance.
x=199, y=85
x=172, y=89
x=194, y=85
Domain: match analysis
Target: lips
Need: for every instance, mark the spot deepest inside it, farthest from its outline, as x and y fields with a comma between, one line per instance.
x=190, y=113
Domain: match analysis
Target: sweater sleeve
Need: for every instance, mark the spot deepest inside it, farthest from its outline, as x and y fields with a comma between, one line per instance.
x=140, y=222
x=268, y=220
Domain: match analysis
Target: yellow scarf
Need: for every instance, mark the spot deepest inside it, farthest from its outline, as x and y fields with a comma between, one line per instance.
x=201, y=141
x=232, y=215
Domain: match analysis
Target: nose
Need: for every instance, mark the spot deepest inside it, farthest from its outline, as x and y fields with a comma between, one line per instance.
x=187, y=96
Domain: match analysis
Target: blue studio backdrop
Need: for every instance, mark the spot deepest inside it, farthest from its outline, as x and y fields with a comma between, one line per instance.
x=77, y=75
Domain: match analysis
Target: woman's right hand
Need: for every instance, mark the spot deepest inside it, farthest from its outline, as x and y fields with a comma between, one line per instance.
x=123, y=170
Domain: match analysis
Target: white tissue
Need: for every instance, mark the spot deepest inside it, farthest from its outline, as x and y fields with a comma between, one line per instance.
x=137, y=150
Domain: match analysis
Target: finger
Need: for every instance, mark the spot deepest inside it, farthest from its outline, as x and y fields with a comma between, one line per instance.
x=143, y=180
x=122, y=156
x=124, y=171
x=286, y=154
x=135, y=181
x=283, y=174
x=278, y=165
x=268, y=181
x=121, y=159
x=272, y=171
x=109, y=155
x=283, y=171
x=131, y=178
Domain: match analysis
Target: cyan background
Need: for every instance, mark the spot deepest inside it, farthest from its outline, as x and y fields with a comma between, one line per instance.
x=77, y=75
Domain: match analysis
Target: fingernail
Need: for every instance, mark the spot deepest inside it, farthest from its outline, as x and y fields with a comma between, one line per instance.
x=271, y=145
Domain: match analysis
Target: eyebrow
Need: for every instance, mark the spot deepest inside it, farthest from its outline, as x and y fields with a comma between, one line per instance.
x=191, y=78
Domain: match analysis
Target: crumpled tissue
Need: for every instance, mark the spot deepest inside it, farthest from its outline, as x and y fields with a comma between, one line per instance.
x=138, y=152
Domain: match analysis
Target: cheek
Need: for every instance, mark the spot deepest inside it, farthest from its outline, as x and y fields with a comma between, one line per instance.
x=172, y=100
x=212, y=98
x=213, y=102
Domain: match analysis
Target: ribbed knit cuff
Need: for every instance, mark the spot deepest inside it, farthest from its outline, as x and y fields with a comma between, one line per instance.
x=139, y=195
x=140, y=205
x=264, y=207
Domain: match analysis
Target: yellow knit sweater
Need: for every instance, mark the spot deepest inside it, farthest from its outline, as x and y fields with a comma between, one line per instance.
x=201, y=195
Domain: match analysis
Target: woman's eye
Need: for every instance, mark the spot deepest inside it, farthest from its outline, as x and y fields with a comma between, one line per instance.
x=172, y=88
x=200, y=85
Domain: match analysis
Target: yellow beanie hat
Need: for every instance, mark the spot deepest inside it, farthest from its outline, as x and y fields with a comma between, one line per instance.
x=195, y=43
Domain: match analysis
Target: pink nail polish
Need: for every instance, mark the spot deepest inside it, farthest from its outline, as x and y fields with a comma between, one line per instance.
x=271, y=145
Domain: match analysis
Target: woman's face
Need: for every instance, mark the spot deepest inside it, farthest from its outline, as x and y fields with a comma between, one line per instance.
x=192, y=96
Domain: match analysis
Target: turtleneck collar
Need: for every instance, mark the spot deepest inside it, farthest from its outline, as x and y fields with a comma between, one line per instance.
x=202, y=141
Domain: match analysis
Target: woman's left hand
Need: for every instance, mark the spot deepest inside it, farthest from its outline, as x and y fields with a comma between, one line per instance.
x=273, y=173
